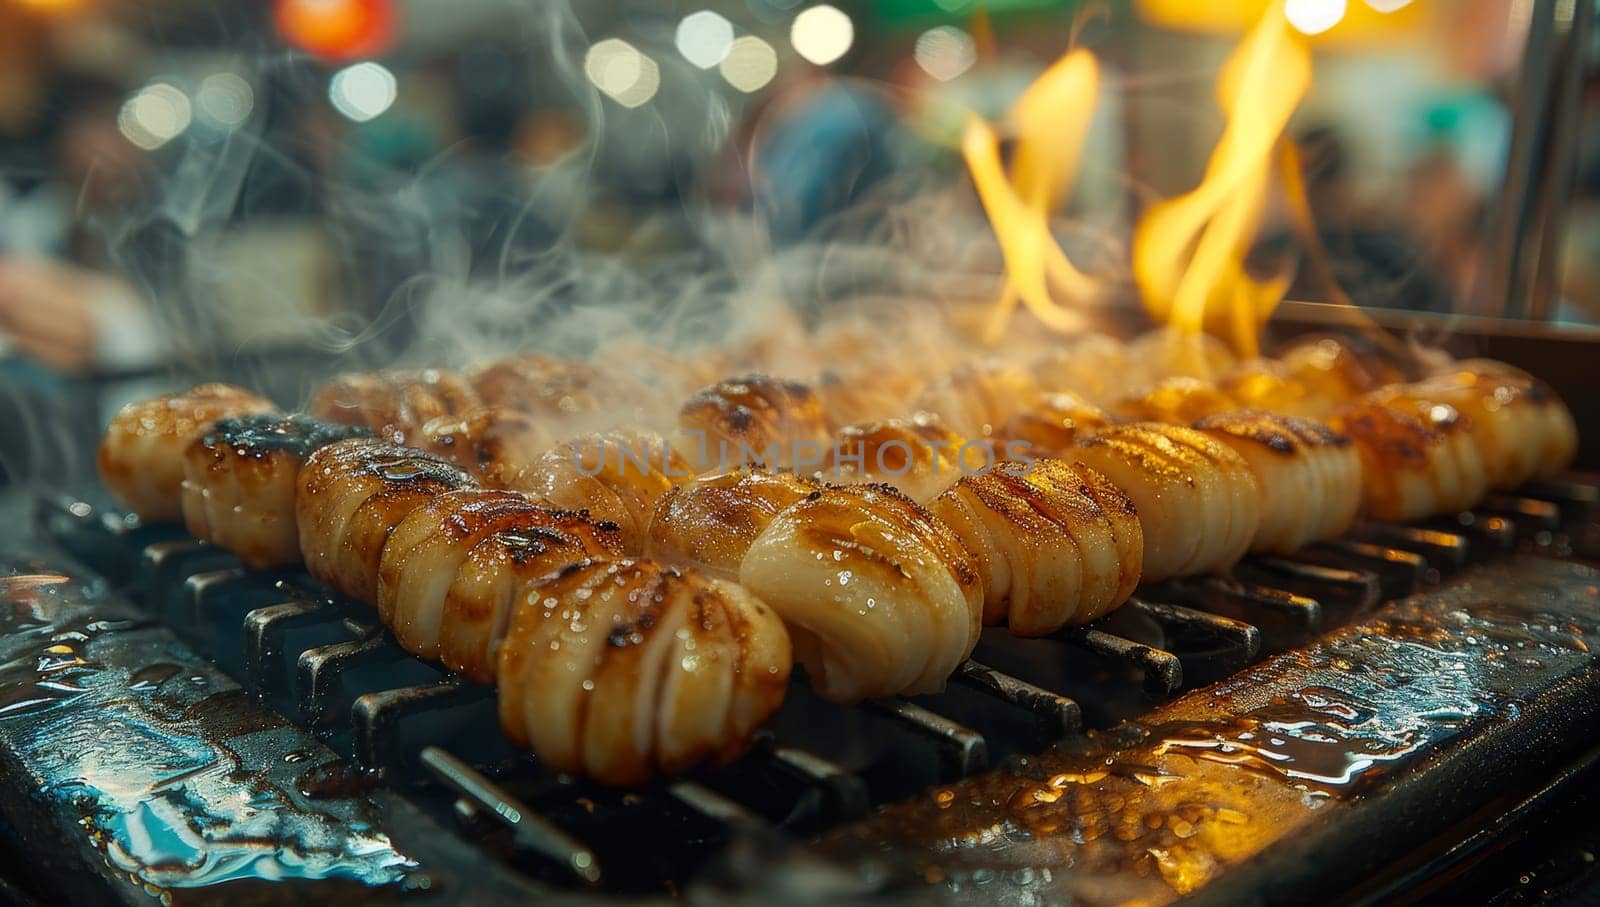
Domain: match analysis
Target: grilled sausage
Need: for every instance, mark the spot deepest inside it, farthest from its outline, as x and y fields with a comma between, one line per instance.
x=1055, y=423
x=622, y=670
x=1310, y=475
x=709, y=522
x=752, y=420
x=350, y=496
x=1175, y=400
x=1055, y=542
x=880, y=598
x=921, y=456
x=424, y=559
x=545, y=386
x=1198, y=502
x=394, y=403
x=493, y=443
x=1267, y=384
x=477, y=605
x=1523, y=429
x=141, y=455
x=1337, y=369
x=1417, y=458
x=617, y=476
x=428, y=546
x=239, y=483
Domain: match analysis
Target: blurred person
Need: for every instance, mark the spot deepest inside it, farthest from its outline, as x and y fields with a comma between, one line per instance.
x=1325, y=161
x=1373, y=256
x=1447, y=212
x=63, y=312
x=60, y=305
x=823, y=144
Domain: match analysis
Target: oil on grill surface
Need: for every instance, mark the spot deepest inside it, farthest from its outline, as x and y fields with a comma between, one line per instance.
x=1224, y=716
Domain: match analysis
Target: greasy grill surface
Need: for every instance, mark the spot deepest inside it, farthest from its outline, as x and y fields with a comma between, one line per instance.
x=1277, y=757
x=329, y=667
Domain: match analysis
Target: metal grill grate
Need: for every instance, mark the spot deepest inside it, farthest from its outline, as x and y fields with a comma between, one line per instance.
x=329, y=665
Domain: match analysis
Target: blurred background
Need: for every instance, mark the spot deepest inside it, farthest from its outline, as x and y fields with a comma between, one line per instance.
x=213, y=188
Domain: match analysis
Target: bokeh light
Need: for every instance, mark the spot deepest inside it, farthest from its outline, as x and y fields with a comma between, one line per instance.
x=704, y=38
x=945, y=52
x=822, y=34
x=363, y=91
x=225, y=98
x=751, y=63
x=155, y=115
x=622, y=72
x=337, y=29
x=1313, y=17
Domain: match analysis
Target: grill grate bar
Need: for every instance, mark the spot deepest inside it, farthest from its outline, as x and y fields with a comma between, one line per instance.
x=1273, y=609
x=1215, y=644
x=1576, y=498
x=1335, y=586
x=1163, y=672
x=388, y=726
x=206, y=584
x=167, y=565
x=158, y=554
x=1058, y=716
x=962, y=751
x=847, y=793
x=531, y=833
x=218, y=602
x=1488, y=535
x=85, y=533
x=713, y=805
x=206, y=590
x=1530, y=514
x=1444, y=551
x=1399, y=572
x=1241, y=633
x=265, y=632
x=326, y=675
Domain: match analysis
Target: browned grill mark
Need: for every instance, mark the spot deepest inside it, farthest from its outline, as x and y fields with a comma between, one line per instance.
x=1390, y=437
x=525, y=543
x=1282, y=434
x=396, y=402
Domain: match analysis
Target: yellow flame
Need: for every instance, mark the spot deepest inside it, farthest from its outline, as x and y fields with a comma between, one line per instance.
x=1189, y=252
x=1051, y=121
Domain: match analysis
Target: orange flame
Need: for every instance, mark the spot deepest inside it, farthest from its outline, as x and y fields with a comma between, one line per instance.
x=1051, y=120
x=1189, y=252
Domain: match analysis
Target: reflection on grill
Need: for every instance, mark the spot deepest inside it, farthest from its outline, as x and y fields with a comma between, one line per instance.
x=331, y=666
